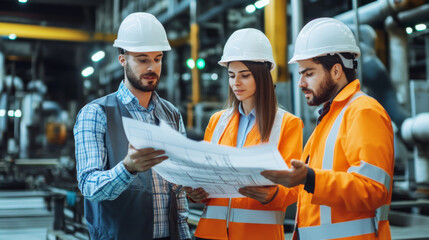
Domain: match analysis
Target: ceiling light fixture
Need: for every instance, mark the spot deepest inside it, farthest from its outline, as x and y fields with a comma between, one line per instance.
x=261, y=3
x=420, y=27
x=87, y=71
x=98, y=56
x=12, y=36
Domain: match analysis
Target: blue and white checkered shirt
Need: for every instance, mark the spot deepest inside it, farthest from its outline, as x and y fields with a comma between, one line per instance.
x=97, y=184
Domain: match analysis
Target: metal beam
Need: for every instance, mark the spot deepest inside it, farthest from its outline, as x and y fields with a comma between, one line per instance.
x=181, y=7
x=53, y=33
x=215, y=11
x=275, y=29
x=66, y=2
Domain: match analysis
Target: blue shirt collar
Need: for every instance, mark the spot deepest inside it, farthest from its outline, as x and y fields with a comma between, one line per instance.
x=241, y=111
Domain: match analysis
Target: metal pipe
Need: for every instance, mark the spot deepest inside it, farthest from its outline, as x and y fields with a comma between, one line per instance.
x=357, y=24
x=416, y=129
x=398, y=48
x=297, y=22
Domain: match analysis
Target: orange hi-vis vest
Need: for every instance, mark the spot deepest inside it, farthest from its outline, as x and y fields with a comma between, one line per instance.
x=246, y=218
x=351, y=153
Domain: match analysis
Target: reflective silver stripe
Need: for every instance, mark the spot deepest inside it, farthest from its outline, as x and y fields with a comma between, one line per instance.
x=244, y=215
x=337, y=230
x=382, y=213
x=215, y=212
x=257, y=216
x=277, y=126
x=372, y=172
x=325, y=214
x=328, y=155
x=225, y=117
x=221, y=124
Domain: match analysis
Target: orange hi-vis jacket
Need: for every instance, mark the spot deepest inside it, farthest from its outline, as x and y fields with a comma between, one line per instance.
x=351, y=153
x=246, y=218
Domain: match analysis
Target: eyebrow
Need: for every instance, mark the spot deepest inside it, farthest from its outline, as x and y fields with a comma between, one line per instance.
x=239, y=71
x=305, y=70
x=145, y=55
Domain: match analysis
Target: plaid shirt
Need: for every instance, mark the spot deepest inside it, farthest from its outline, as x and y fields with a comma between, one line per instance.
x=97, y=184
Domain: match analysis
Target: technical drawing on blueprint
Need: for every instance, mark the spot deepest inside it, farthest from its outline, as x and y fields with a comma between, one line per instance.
x=220, y=170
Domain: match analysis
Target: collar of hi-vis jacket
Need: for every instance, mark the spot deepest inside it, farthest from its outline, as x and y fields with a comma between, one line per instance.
x=227, y=129
x=347, y=92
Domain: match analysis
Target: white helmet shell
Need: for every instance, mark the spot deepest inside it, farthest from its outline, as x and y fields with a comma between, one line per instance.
x=142, y=32
x=247, y=44
x=323, y=36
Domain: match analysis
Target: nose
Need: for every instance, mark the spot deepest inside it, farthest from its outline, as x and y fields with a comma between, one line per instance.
x=235, y=81
x=150, y=67
x=301, y=82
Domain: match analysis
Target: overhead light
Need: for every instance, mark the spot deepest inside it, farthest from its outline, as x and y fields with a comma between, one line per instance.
x=87, y=71
x=22, y=1
x=420, y=27
x=250, y=8
x=261, y=3
x=2, y=112
x=18, y=113
x=12, y=36
x=98, y=56
x=10, y=113
x=214, y=76
x=190, y=63
x=409, y=30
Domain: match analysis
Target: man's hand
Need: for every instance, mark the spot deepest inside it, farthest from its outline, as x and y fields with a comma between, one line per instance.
x=288, y=178
x=196, y=195
x=262, y=194
x=140, y=160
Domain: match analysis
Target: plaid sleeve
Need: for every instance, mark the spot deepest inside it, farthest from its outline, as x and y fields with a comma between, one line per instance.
x=95, y=183
x=182, y=215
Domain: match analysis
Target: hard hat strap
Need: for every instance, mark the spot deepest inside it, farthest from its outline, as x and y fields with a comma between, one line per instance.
x=348, y=63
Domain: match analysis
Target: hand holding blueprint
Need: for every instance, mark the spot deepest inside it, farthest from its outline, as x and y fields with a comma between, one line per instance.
x=220, y=170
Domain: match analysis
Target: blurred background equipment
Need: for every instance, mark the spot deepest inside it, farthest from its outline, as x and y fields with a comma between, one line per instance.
x=57, y=55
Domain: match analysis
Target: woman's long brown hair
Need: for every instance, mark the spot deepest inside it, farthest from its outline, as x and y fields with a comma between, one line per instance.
x=265, y=97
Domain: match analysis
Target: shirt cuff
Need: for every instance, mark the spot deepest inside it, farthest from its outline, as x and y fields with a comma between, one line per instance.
x=310, y=181
x=121, y=171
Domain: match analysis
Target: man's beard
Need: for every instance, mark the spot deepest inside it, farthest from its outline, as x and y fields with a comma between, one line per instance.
x=327, y=88
x=136, y=83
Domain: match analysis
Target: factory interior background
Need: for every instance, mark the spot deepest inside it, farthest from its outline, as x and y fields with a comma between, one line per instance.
x=57, y=55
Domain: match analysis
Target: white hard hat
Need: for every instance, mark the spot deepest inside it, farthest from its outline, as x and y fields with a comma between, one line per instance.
x=324, y=36
x=142, y=32
x=247, y=44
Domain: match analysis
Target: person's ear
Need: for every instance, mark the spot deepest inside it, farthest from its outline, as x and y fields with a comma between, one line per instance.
x=336, y=71
x=122, y=60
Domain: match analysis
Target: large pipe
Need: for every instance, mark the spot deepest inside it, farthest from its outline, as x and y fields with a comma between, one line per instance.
x=415, y=130
x=398, y=48
x=374, y=12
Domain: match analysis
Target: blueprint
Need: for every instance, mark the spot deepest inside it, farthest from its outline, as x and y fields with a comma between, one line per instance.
x=220, y=170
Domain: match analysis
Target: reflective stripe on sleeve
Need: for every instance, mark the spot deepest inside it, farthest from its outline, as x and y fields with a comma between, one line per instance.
x=244, y=215
x=382, y=213
x=337, y=230
x=372, y=172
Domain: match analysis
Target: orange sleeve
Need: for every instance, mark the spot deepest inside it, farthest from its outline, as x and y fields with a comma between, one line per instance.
x=367, y=140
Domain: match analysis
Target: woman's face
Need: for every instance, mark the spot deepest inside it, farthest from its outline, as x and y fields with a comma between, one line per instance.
x=241, y=82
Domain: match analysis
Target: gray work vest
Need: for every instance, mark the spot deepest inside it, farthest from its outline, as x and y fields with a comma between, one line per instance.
x=129, y=216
